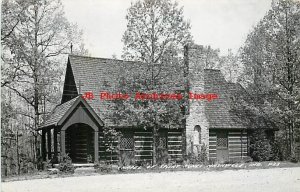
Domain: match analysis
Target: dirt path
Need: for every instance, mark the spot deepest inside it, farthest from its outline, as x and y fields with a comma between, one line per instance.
x=258, y=180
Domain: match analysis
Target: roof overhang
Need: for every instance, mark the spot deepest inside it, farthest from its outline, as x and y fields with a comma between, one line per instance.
x=64, y=117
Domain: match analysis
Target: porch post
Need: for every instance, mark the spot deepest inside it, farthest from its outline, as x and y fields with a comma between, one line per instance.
x=96, y=146
x=55, y=142
x=43, y=144
x=49, y=143
x=62, y=142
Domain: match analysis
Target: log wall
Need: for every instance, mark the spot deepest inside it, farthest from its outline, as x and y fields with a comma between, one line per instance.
x=104, y=154
x=143, y=147
x=237, y=145
x=175, y=145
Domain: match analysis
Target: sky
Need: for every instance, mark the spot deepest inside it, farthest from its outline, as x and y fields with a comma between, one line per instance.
x=222, y=24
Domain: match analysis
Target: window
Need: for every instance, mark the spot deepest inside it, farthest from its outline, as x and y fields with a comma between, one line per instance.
x=198, y=129
x=127, y=142
x=222, y=140
x=161, y=141
x=127, y=149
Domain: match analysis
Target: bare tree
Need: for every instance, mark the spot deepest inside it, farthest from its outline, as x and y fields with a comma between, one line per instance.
x=34, y=44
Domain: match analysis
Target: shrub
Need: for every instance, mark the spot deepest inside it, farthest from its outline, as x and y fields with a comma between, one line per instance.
x=203, y=154
x=89, y=158
x=200, y=157
x=103, y=167
x=126, y=158
x=162, y=156
x=143, y=162
x=40, y=163
x=247, y=159
x=294, y=160
x=261, y=149
x=65, y=164
x=276, y=154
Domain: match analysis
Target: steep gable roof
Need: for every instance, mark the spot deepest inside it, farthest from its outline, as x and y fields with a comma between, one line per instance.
x=98, y=75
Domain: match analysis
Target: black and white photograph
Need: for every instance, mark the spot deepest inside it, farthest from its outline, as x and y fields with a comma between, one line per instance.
x=150, y=95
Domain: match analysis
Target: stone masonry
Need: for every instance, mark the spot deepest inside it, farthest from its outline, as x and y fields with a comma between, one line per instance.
x=196, y=121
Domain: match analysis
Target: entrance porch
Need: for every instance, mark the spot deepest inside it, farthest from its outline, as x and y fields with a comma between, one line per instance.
x=72, y=129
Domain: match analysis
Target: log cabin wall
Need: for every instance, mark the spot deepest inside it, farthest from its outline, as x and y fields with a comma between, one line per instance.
x=104, y=153
x=237, y=143
x=143, y=146
x=175, y=147
x=212, y=145
x=136, y=147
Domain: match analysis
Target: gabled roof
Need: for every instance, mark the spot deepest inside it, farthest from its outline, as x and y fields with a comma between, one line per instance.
x=98, y=74
x=62, y=111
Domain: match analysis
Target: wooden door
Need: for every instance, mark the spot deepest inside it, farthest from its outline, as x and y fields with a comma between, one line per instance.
x=222, y=146
x=80, y=143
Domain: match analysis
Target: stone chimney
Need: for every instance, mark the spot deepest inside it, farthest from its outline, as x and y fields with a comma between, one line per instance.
x=196, y=121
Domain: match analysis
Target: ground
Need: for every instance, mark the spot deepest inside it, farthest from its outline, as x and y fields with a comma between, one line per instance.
x=260, y=180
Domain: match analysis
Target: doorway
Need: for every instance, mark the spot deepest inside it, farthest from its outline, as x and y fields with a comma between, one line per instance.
x=222, y=147
x=80, y=143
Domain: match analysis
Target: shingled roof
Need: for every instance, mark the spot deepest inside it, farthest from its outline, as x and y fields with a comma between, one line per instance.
x=58, y=112
x=64, y=110
x=218, y=111
x=98, y=74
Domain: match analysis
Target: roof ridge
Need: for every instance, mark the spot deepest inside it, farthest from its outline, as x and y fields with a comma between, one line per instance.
x=102, y=58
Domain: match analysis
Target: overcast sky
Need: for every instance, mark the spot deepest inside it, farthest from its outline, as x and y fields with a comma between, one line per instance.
x=223, y=24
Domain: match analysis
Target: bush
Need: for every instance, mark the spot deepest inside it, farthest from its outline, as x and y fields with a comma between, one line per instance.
x=40, y=163
x=66, y=165
x=261, y=149
x=103, y=167
x=203, y=154
x=276, y=154
x=246, y=159
x=89, y=158
x=293, y=160
x=162, y=156
x=200, y=157
x=143, y=162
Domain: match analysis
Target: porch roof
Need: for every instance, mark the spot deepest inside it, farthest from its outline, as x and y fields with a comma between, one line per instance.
x=60, y=112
